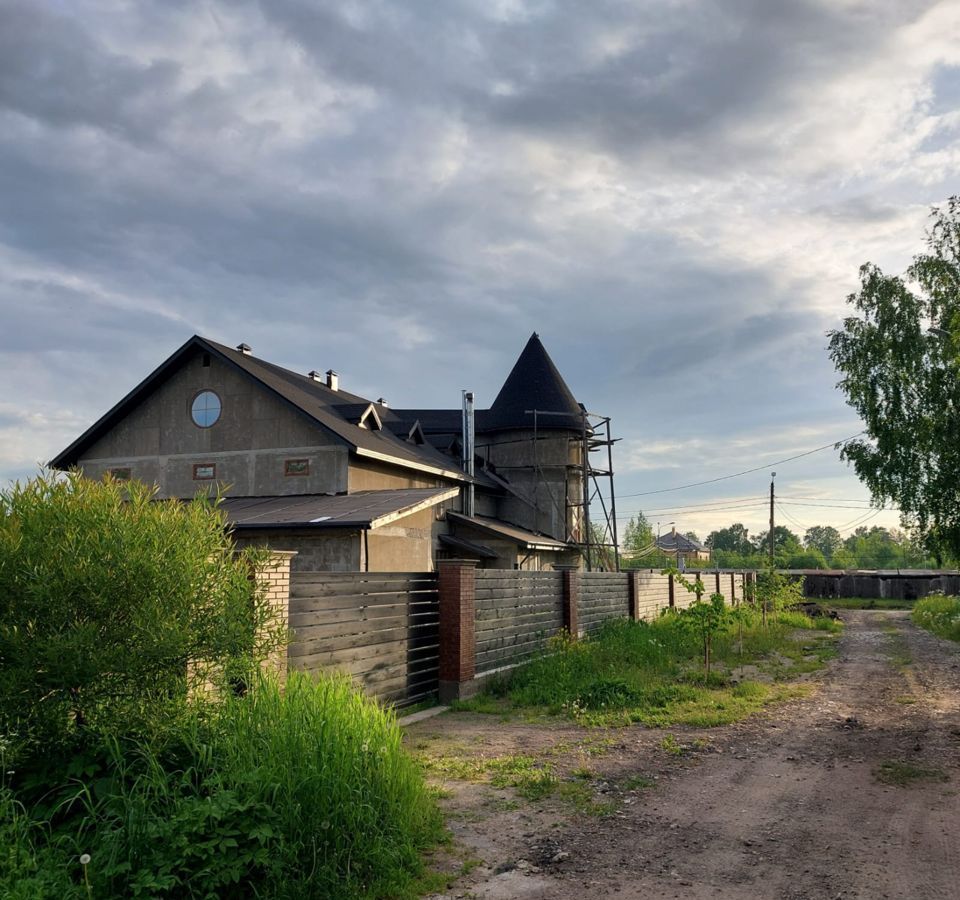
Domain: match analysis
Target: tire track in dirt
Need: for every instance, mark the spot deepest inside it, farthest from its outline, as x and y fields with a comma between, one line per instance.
x=788, y=805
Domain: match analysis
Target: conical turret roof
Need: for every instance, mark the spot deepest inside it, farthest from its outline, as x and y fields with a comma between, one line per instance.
x=534, y=383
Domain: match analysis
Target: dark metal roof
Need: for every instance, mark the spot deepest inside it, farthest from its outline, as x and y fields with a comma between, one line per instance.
x=471, y=548
x=364, y=509
x=534, y=383
x=680, y=542
x=495, y=527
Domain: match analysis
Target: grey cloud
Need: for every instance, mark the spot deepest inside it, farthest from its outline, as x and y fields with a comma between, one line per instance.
x=54, y=71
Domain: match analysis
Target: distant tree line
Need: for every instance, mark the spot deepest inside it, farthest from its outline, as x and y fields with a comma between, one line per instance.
x=820, y=547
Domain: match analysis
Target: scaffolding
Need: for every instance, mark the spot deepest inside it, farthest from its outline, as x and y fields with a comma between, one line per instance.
x=595, y=536
x=598, y=543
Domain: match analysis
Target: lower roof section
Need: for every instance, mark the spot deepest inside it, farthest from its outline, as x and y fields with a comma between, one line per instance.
x=496, y=528
x=364, y=509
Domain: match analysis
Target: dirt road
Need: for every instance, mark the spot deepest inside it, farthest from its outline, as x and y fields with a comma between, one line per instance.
x=849, y=793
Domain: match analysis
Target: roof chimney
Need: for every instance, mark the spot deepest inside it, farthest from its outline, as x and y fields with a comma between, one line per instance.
x=315, y=375
x=245, y=349
x=333, y=380
x=382, y=402
x=673, y=531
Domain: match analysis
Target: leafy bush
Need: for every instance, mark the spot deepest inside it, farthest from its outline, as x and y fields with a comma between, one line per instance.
x=113, y=605
x=939, y=614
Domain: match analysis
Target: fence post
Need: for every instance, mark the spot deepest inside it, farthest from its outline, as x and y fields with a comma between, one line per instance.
x=456, y=584
x=718, y=583
x=698, y=585
x=672, y=601
x=571, y=598
x=733, y=589
x=633, y=586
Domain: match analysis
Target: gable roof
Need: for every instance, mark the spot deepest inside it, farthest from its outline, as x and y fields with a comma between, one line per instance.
x=534, y=383
x=676, y=541
x=329, y=409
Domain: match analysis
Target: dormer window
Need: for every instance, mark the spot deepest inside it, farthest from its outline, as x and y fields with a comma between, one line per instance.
x=205, y=409
x=415, y=435
x=370, y=419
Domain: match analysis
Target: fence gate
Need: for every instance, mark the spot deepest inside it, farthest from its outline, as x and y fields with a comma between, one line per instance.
x=381, y=628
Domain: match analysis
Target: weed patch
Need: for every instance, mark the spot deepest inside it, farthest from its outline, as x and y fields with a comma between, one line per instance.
x=904, y=774
x=939, y=615
x=652, y=673
x=867, y=603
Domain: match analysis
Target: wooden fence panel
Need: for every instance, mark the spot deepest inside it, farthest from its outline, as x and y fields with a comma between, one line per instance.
x=603, y=595
x=516, y=613
x=381, y=628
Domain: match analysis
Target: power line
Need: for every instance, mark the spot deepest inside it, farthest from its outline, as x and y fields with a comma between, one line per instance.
x=741, y=508
x=837, y=505
x=662, y=509
x=791, y=518
x=860, y=520
x=779, y=462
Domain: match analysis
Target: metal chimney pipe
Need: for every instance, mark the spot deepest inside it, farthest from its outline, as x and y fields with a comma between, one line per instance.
x=468, y=451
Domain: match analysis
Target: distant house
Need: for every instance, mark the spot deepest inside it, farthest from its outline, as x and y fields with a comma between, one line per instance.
x=682, y=548
x=350, y=483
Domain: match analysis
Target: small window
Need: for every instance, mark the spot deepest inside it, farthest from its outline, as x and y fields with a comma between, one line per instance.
x=204, y=471
x=205, y=409
x=206, y=360
x=121, y=474
x=296, y=467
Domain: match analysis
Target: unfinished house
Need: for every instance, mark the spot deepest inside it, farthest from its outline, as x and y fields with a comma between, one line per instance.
x=350, y=483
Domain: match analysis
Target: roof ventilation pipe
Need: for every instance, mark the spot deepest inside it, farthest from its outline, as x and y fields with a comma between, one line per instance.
x=315, y=375
x=333, y=380
x=468, y=450
x=245, y=349
x=382, y=402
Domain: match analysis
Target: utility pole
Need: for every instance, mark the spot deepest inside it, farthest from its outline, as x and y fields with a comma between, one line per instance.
x=772, y=476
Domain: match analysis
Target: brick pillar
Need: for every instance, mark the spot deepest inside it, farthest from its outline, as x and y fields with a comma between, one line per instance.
x=673, y=600
x=571, y=598
x=456, y=581
x=273, y=577
x=633, y=582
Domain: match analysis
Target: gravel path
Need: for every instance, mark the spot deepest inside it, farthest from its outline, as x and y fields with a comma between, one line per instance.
x=786, y=805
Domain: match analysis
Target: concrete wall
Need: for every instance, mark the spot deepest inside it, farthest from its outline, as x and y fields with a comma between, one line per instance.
x=403, y=546
x=369, y=475
x=255, y=434
x=540, y=473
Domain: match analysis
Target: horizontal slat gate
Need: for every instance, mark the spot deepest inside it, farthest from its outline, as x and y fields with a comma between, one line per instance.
x=381, y=628
x=516, y=612
x=603, y=595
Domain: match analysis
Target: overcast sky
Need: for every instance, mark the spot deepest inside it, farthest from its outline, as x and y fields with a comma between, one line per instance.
x=676, y=195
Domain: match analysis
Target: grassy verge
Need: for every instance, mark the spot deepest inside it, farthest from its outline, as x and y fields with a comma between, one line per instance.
x=649, y=673
x=302, y=793
x=940, y=615
x=531, y=777
x=867, y=603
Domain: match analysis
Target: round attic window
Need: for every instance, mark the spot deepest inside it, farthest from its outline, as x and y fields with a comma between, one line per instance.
x=205, y=409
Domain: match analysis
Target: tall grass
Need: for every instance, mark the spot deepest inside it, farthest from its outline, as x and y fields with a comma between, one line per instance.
x=939, y=614
x=301, y=793
x=651, y=673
